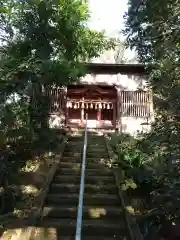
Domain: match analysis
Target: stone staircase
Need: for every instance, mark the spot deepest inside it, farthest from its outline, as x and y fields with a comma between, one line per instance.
x=103, y=216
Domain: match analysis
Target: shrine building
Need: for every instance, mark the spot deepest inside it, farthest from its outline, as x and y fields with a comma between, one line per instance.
x=114, y=97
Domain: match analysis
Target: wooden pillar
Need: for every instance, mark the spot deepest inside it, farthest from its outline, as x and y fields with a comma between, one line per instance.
x=82, y=112
x=66, y=113
x=114, y=114
x=99, y=114
x=119, y=109
x=98, y=124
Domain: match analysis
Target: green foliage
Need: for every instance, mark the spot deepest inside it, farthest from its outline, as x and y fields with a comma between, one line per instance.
x=126, y=148
x=152, y=28
x=43, y=43
x=156, y=177
x=46, y=44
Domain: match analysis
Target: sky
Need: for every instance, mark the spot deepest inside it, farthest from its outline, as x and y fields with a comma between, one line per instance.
x=107, y=15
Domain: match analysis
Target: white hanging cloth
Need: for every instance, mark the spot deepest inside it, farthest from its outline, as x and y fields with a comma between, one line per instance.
x=70, y=104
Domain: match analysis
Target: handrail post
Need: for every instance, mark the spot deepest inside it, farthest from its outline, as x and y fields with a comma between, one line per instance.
x=81, y=192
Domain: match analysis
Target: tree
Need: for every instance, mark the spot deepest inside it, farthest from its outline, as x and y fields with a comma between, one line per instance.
x=152, y=28
x=45, y=42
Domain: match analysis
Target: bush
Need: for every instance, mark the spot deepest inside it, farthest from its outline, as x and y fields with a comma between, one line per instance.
x=158, y=184
x=126, y=148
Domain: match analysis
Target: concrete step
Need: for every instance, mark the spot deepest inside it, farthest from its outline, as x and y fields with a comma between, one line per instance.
x=75, y=147
x=96, y=149
x=89, y=212
x=95, y=139
x=99, y=227
x=89, y=188
x=89, y=154
x=89, y=144
x=72, y=154
x=92, y=143
x=89, y=199
x=88, y=160
x=96, y=155
x=98, y=180
x=89, y=138
x=89, y=172
x=76, y=138
x=78, y=165
x=95, y=136
x=89, y=150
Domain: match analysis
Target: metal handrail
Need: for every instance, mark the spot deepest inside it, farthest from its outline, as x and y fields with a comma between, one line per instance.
x=81, y=192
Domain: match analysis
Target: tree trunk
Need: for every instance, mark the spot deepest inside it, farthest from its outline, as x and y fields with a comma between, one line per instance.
x=38, y=108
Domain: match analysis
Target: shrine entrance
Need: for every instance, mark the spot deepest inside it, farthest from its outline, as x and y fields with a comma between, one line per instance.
x=98, y=102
